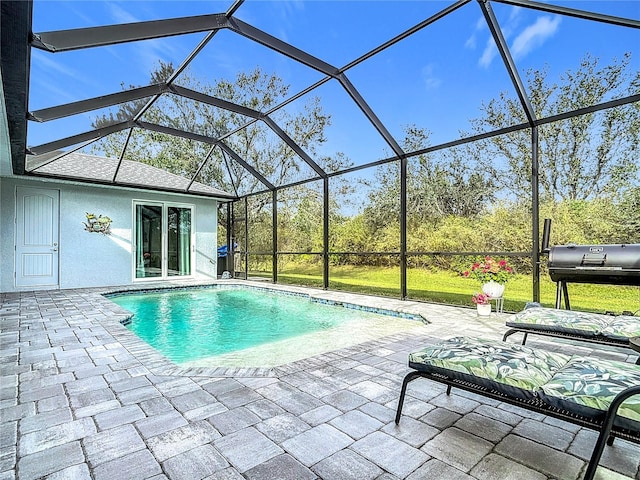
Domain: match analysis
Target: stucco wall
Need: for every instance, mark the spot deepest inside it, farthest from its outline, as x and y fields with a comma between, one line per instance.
x=92, y=259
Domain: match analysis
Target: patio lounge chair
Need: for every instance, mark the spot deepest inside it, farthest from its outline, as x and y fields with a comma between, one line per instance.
x=603, y=395
x=620, y=330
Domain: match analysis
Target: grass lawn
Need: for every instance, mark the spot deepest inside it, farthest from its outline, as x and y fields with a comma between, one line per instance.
x=450, y=288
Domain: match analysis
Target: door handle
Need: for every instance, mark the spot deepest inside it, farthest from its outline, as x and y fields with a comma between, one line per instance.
x=55, y=249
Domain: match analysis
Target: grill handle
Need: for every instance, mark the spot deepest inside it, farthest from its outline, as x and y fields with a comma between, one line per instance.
x=594, y=259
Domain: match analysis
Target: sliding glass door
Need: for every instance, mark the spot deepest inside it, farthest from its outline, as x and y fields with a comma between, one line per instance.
x=163, y=240
x=178, y=241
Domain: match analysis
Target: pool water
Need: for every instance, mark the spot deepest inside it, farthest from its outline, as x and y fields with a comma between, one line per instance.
x=190, y=325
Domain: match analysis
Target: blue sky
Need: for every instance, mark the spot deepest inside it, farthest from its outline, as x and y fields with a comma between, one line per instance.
x=436, y=79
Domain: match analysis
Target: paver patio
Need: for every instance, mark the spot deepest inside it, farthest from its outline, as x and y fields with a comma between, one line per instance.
x=83, y=398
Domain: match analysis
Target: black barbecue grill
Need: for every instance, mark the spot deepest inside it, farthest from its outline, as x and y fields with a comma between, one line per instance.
x=616, y=264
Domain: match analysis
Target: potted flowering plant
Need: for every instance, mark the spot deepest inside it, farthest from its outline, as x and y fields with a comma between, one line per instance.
x=483, y=304
x=492, y=273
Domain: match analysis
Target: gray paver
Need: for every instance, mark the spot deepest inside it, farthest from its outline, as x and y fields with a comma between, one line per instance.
x=499, y=414
x=137, y=465
x=264, y=408
x=181, y=439
x=52, y=403
x=495, y=467
x=437, y=469
x=160, y=423
x=484, y=427
x=152, y=416
x=49, y=461
x=458, y=448
x=238, y=397
x=345, y=400
x=552, y=463
x=74, y=472
x=320, y=415
x=247, y=448
x=56, y=435
x=196, y=463
x=414, y=432
x=90, y=398
x=390, y=453
x=95, y=409
x=233, y=420
x=281, y=427
x=374, y=391
x=413, y=407
x=377, y=411
x=137, y=395
x=282, y=467
x=8, y=458
x=191, y=400
x=45, y=420
x=222, y=385
x=298, y=402
x=111, y=444
x=455, y=403
x=85, y=385
x=356, y=424
x=119, y=416
x=157, y=405
x=8, y=434
x=440, y=418
x=226, y=474
x=544, y=433
x=317, y=443
x=347, y=465
x=622, y=456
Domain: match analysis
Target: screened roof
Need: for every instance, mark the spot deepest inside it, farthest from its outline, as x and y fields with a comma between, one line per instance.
x=81, y=104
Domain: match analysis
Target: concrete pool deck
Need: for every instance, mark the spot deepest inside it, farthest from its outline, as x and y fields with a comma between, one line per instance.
x=83, y=398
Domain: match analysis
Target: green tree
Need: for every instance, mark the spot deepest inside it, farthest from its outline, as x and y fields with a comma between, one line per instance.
x=580, y=158
x=438, y=185
x=256, y=144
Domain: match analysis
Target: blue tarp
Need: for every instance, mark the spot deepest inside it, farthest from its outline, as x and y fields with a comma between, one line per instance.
x=223, y=250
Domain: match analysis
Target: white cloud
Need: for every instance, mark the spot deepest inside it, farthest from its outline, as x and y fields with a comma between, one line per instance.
x=489, y=53
x=119, y=14
x=534, y=35
x=514, y=15
x=429, y=77
x=472, y=40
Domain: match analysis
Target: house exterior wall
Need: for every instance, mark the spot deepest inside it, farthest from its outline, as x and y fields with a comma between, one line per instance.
x=89, y=259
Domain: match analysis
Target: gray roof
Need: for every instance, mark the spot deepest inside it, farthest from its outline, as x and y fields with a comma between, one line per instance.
x=98, y=169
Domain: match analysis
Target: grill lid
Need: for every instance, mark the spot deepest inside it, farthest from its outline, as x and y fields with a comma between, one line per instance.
x=617, y=264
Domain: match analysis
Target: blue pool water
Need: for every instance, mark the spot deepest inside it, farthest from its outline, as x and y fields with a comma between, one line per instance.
x=187, y=325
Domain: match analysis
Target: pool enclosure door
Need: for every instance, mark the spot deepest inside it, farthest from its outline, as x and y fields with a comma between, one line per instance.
x=163, y=240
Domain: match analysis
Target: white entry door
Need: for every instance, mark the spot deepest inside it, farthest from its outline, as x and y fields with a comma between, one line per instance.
x=37, y=212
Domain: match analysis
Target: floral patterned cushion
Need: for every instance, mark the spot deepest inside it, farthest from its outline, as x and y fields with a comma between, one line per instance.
x=588, y=386
x=514, y=370
x=622, y=327
x=557, y=320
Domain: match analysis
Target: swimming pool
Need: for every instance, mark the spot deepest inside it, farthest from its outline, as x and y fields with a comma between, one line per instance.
x=248, y=326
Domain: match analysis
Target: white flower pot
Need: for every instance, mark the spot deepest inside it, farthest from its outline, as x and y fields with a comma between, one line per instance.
x=484, y=310
x=493, y=289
